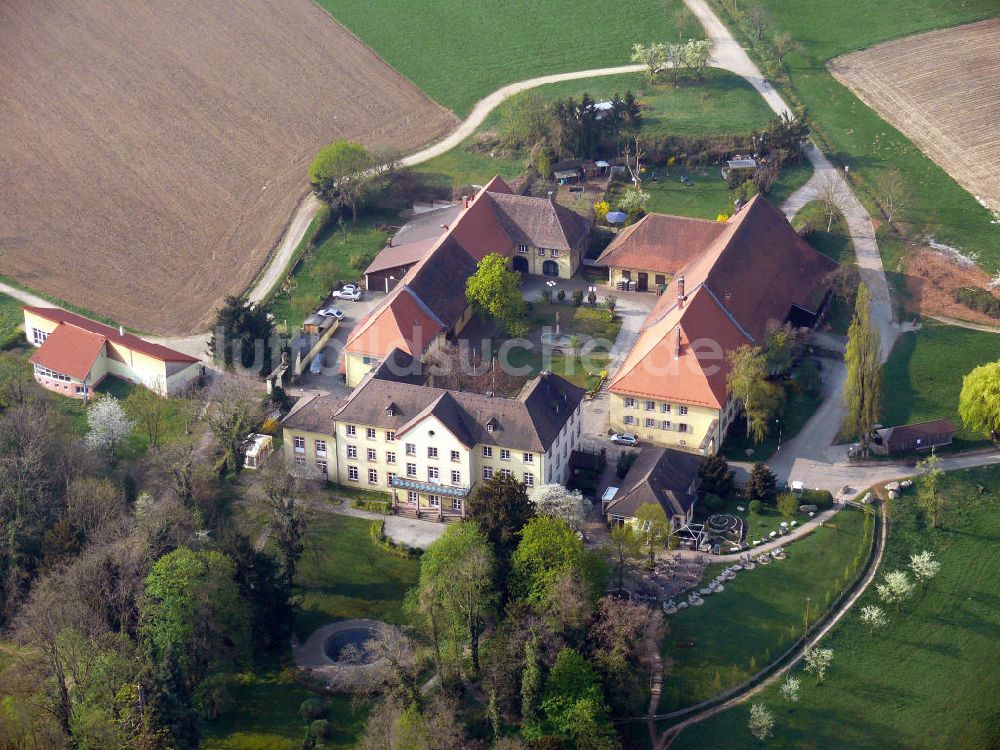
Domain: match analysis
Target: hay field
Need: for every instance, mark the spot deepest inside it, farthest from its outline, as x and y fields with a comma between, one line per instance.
x=152, y=153
x=942, y=90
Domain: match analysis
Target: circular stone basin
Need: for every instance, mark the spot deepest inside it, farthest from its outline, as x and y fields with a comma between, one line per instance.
x=722, y=522
x=353, y=638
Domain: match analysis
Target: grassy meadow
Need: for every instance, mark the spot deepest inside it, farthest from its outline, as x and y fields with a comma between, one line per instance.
x=854, y=135
x=710, y=648
x=11, y=321
x=931, y=677
x=458, y=52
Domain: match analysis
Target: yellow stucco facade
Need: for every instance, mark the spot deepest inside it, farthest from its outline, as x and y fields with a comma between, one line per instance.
x=670, y=423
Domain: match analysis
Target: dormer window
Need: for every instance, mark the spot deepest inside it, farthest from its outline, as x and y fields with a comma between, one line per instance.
x=489, y=427
x=491, y=424
x=390, y=410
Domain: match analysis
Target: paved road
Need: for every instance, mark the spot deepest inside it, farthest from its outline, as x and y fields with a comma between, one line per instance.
x=402, y=530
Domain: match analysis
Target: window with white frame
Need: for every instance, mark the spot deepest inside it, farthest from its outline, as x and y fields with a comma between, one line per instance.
x=504, y=454
x=432, y=452
x=320, y=448
x=434, y=501
x=300, y=462
x=299, y=443
x=523, y=249
x=456, y=505
x=554, y=253
x=365, y=359
x=372, y=455
x=487, y=451
x=456, y=456
x=682, y=427
x=352, y=451
x=529, y=458
x=665, y=408
x=650, y=406
x=390, y=435
x=38, y=336
x=45, y=372
x=411, y=449
x=456, y=477
x=682, y=410
x=650, y=422
x=529, y=479
x=412, y=497
x=666, y=424
x=390, y=457
x=321, y=466
x=433, y=474
x=373, y=476
x=506, y=473
x=629, y=402
x=629, y=419
x=350, y=430
x=411, y=470
x=370, y=433
x=541, y=252
x=487, y=472
x=389, y=476
x=352, y=473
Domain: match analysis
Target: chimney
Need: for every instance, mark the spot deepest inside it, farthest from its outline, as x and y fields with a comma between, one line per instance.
x=552, y=197
x=444, y=227
x=677, y=344
x=465, y=201
x=680, y=291
x=728, y=298
x=121, y=331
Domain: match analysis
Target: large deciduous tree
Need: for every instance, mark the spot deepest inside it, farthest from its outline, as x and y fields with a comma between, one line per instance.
x=456, y=572
x=341, y=174
x=931, y=500
x=651, y=56
x=548, y=549
x=653, y=527
x=573, y=704
x=495, y=290
x=747, y=382
x=232, y=416
x=979, y=402
x=557, y=501
x=107, y=425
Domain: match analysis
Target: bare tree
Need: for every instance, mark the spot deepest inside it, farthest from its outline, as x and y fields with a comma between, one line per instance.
x=784, y=44
x=234, y=413
x=757, y=19
x=828, y=191
x=632, y=152
x=892, y=187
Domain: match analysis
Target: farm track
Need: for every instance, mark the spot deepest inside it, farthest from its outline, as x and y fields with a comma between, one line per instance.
x=942, y=90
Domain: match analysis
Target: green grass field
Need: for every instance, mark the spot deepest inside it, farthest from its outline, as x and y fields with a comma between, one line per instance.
x=733, y=634
x=931, y=677
x=458, y=52
x=341, y=576
x=853, y=134
x=11, y=321
x=923, y=377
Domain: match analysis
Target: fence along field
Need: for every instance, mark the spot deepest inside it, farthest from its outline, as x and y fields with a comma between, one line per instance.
x=152, y=153
x=942, y=90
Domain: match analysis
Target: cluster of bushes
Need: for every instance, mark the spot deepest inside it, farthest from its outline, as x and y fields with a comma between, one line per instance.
x=373, y=506
x=380, y=540
x=979, y=300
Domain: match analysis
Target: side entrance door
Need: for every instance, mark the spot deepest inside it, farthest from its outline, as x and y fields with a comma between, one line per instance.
x=520, y=264
x=642, y=285
x=550, y=268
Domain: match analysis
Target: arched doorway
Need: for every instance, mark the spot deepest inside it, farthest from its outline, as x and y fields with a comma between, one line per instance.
x=519, y=264
x=550, y=268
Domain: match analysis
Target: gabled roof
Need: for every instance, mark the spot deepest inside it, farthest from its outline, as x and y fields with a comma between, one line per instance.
x=659, y=475
x=313, y=412
x=70, y=350
x=401, y=322
x=749, y=277
x=128, y=340
x=529, y=422
x=660, y=243
x=539, y=222
x=917, y=431
x=396, y=256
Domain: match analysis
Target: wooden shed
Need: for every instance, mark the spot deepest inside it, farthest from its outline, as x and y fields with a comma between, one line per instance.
x=921, y=436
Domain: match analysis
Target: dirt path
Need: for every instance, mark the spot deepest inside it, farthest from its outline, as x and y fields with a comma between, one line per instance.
x=965, y=324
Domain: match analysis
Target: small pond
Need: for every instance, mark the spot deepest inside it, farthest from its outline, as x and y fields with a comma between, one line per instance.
x=355, y=638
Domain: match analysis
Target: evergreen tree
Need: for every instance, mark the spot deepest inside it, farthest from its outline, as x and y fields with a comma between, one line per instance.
x=501, y=507
x=170, y=707
x=242, y=334
x=716, y=476
x=863, y=388
x=762, y=484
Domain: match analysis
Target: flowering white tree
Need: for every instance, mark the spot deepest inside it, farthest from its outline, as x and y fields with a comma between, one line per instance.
x=896, y=587
x=107, y=425
x=818, y=661
x=924, y=566
x=558, y=502
x=790, y=689
x=873, y=618
x=653, y=56
x=761, y=722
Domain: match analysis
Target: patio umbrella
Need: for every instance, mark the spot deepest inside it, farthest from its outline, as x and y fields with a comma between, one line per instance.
x=616, y=217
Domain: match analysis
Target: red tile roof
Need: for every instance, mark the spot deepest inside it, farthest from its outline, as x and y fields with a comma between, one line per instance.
x=128, y=340
x=748, y=277
x=70, y=350
x=660, y=243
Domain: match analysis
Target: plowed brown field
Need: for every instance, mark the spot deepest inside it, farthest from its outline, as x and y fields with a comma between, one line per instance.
x=151, y=153
x=942, y=90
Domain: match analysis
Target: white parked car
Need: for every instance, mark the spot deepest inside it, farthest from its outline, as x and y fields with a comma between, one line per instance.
x=331, y=312
x=351, y=295
x=624, y=438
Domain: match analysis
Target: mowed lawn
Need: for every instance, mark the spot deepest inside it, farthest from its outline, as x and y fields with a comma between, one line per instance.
x=923, y=378
x=11, y=320
x=710, y=648
x=931, y=677
x=855, y=135
x=458, y=52
x=341, y=575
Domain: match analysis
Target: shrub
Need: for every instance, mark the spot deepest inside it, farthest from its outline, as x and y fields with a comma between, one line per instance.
x=321, y=729
x=561, y=295
x=312, y=709
x=788, y=504
x=625, y=461
x=592, y=298
x=577, y=297
x=819, y=498
x=611, y=301
x=373, y=506
x=712, y=503
x=756, y=506
x=270, y=426
x=979, y=300
x=379, y=539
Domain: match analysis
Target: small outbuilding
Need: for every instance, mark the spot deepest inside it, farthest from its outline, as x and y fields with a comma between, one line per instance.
x=259, y=451
x=659, y=475
x=921, y=436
